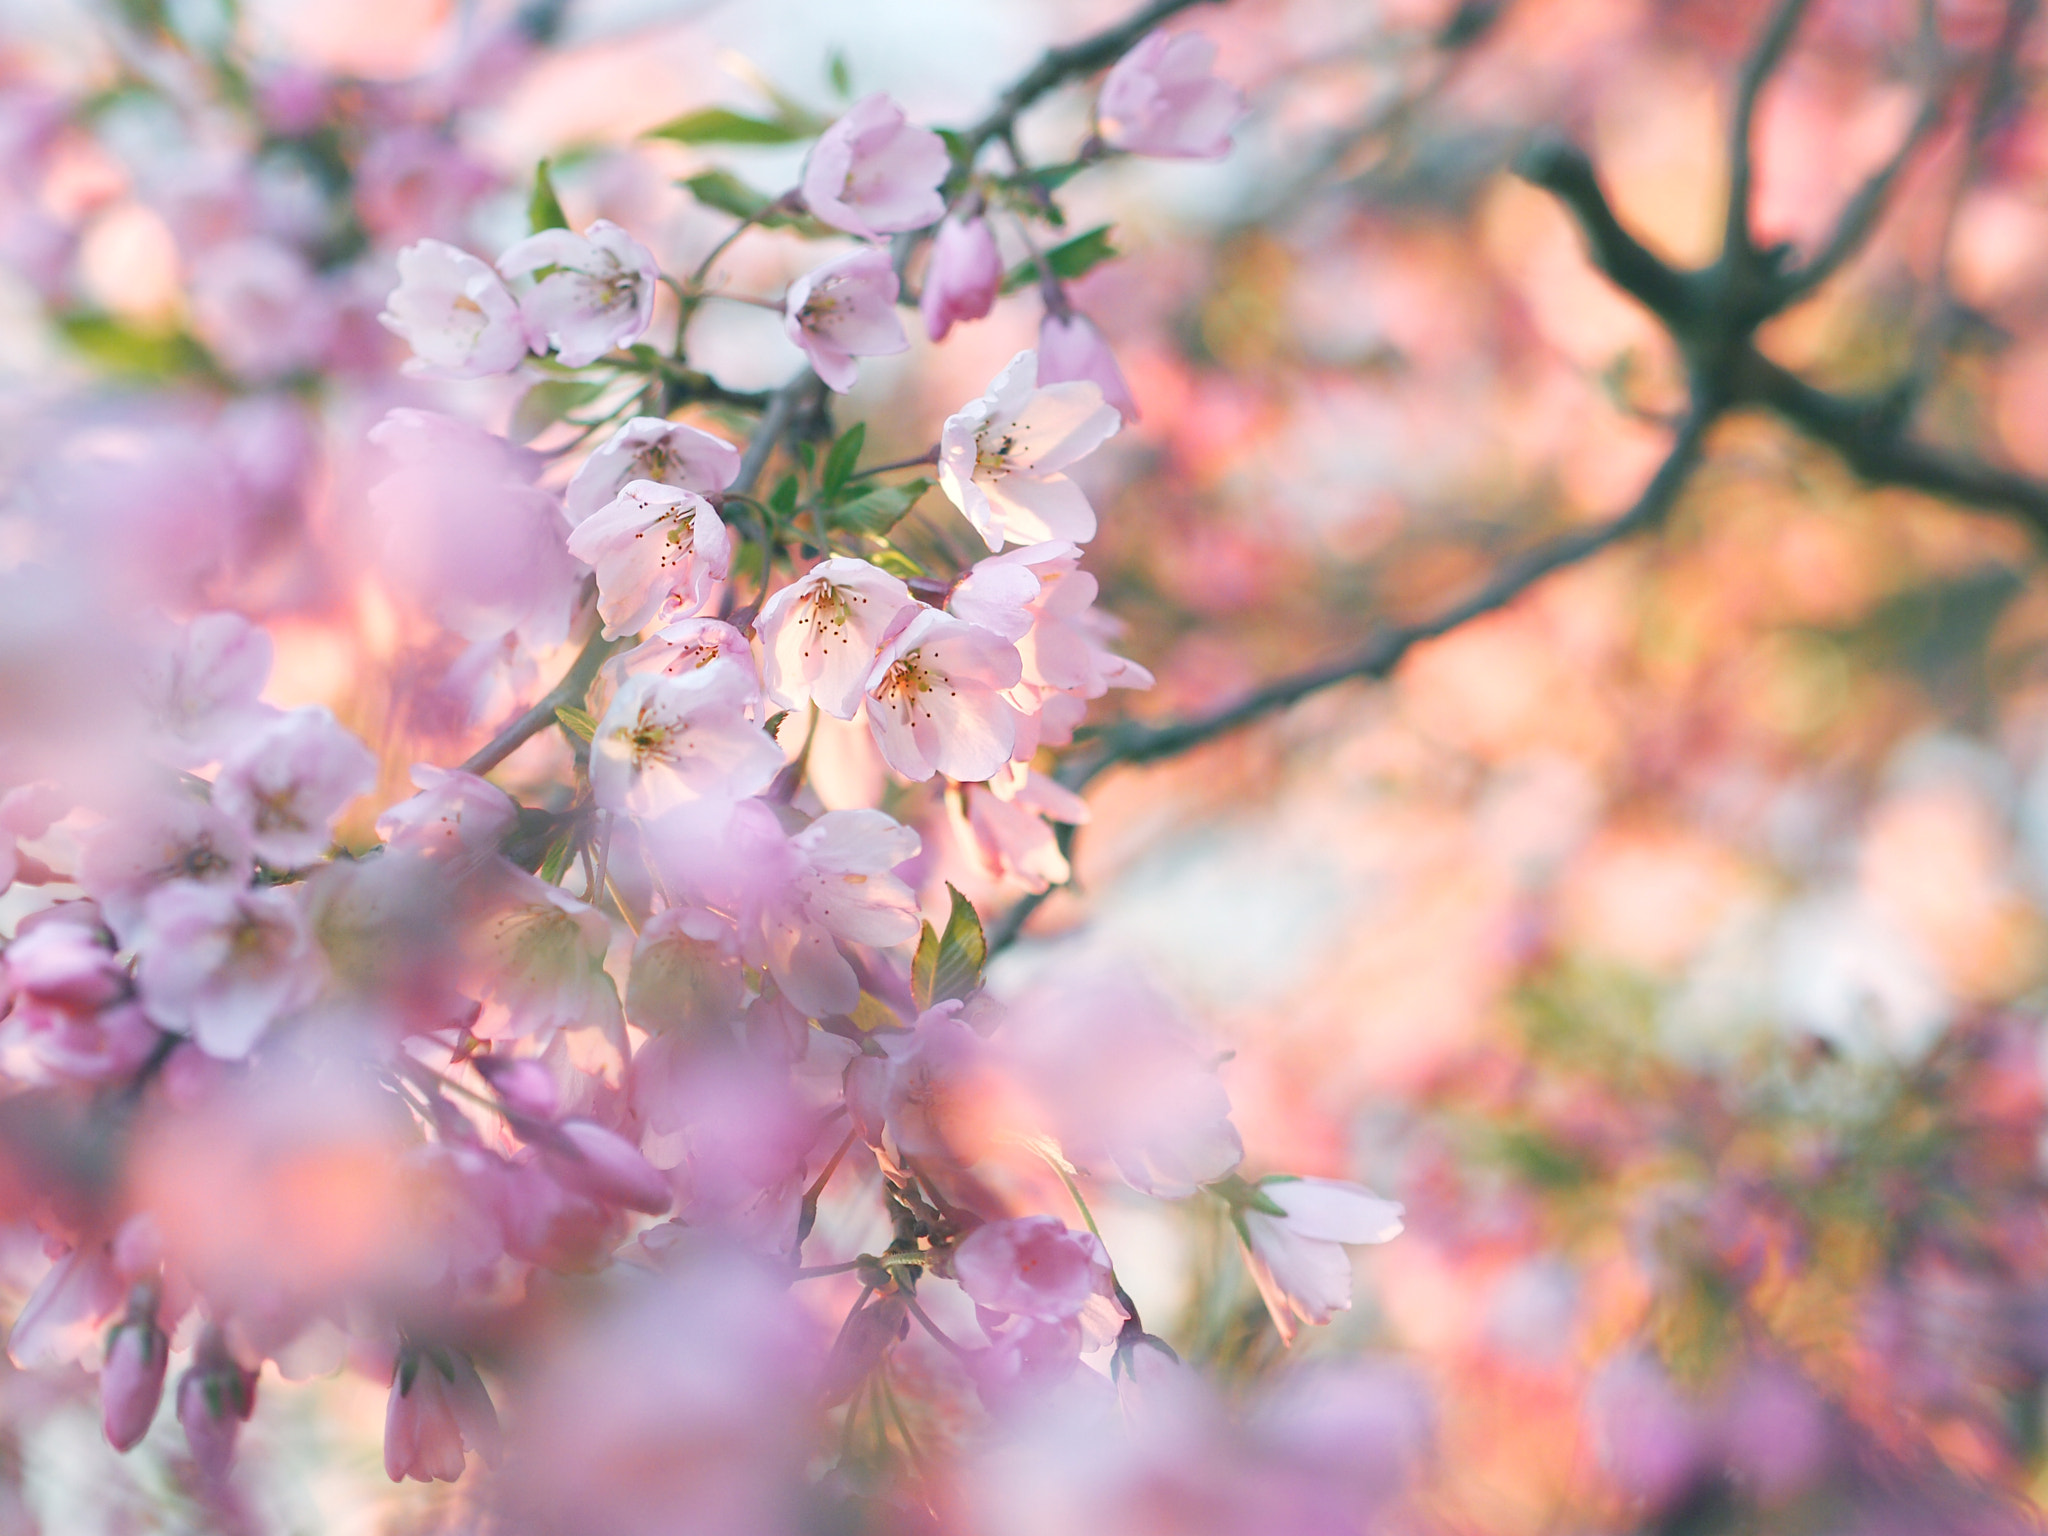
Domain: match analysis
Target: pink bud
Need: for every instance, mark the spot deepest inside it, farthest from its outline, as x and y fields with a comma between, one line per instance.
x=1032, y=1266
x=214, y=1398
x=438, y=1410
x=1072, y=348
x=527, y=1087
x=962, y=279
x=132, y=1381
x=605, y=1166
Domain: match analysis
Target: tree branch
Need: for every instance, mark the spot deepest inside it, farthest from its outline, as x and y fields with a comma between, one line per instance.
x=568, y=693
x=1562, y=169
x=1737, y=244
x=1059, y=65
x=1860, y=216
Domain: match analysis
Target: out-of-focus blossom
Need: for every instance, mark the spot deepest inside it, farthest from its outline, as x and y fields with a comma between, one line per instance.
x=456, y=314
x=65, y=1315
x=607, y=1167
x=455, y=815
x=935, y=700
x=873, y=173
x=261, y=310
x=413, y=182
x=649, y=448
x=223, y=965
x=160, y=835
x=1002, y=458
x=668, y=739
x=1004, y=824
x=963, y=276
x=654, y=548
x=1298, y=1258
x=26, y=811
x=216, y=1395
x=844, y=310
x=1162, y=98
x=1032, y=1266
x=540, y=964
x=1654, y=1442
x=203, y=682
x=438, y=1410
x=597, y=291
x=819, y=634
x=1071, y=348
x=288, y=781
x=69, y=1009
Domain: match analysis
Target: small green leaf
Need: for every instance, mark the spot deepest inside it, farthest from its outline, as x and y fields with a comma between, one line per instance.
x=774, y=724
x=782, y=500
x=1242, y=1196
x=840, y=462
x=727, y=193
x=807, y=456
x=840, y=73
x=721, y=125
x=897, y=563
x=948, y=966
x=956, y=143
x=544, y=209
x=1068, y=260
x=547, y=403
x=876, y=511
x=121, y=348
x=576, y=722
x=557, y=860
x=871, y=1014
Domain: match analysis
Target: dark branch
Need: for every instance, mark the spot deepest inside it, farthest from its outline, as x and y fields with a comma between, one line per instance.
x=1060, y=65
x=1737, y=244
x=1562, y=169
x=1139, y=742
x=1861, y=215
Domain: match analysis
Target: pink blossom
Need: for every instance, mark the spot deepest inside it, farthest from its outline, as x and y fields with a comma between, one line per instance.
x=1002, y=458
x=223, y=965
x=654, y=548
x=844, y=310
x=819, y=634
x=1162, y=99
x=963, y=276
x=1298, y=1258
x=69, y=1010
x=873, y=173
x=438, y=1410
x=935, y=700
x=538, y=961
x=26, y=811
x=203, y=682
x=919, y=1094
x=648, y=448
x=65, y=1315
x=456, y=314
x=665, y=740
x=412, y=182
x=261, y=310
x=132, y=1379
x=1064, y=649
x=1070, y=348
x=1003, y=823
x=466, y=535
x=287, y=782
x=605, y=1166
x=599, y=295
x=160, y=835
x=455, y=816
x=1033, y=1266
x=1026, y=1358
x=693, y=645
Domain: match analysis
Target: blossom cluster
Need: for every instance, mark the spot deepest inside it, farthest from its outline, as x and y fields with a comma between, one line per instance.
x=311, y=1072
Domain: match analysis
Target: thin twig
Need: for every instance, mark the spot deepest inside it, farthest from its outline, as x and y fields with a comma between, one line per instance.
x=1757, y=70
x=570, y=692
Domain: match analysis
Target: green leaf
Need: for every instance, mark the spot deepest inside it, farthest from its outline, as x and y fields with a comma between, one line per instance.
x=840, y=462
x=782, y=500
x=897, y=563
x=576, y=722
x=721, y=125
x=948, y=966
x=121, y=348
x=727, y=193
x=557, y=860
x=547, y=403
x=871, y=1014
x=840, y=73
x=774, y=724
x=544, y=209
x=1068, y=260
x=876, y=511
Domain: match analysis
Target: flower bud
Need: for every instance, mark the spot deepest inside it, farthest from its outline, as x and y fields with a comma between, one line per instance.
x=605, y=1166
x=965, y=272
x=215, y=1396
x=1070, y=347
x=132, y=1379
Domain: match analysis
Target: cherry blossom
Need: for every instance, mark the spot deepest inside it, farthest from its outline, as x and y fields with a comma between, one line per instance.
x=605, y=1166
x=1297, y=1257
x=155, y=836
x=1003, y=823
x=963, y=276
x=1162, y=99
x=667, y=739
x=1070, y=348
x=216, y=1396
x=649, y=448
x=820, y=634
x=26, y=812
x=261, y=309
x=455, y=815
x=873, y=173
x=935, y=701
x=69, y=1008
x=223, y=965
x=654, y=547
x=1002, y=458
x=286, y=783
x=456, y=314
x=538, y=962
x=438, y=1410
x=690, y=645
x=844, y=310
x=1032, y=1266
x=203, y=682
x=596, y=290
